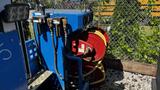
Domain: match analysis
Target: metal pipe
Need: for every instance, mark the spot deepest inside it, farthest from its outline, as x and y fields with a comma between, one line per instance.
x=23, y=46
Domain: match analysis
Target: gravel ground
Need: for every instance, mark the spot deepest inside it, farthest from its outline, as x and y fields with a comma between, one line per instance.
x=121, y=80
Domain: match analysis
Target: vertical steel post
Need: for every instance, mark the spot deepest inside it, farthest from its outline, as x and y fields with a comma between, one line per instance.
x=23, y=46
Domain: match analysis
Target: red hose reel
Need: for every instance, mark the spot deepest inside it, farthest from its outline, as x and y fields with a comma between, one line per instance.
x=90, y=46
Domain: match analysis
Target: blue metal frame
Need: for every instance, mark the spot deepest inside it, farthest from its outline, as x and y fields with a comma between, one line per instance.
x=12, y=67
x=75, y=18
x=45, y=46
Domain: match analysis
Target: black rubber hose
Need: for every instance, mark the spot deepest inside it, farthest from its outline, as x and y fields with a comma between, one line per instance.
x=37, y=44
x=55, y=55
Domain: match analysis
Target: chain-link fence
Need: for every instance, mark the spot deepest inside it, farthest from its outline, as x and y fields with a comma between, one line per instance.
x=133, y=25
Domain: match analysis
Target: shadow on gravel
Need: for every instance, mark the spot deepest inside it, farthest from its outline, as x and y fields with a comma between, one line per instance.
x=114, y=73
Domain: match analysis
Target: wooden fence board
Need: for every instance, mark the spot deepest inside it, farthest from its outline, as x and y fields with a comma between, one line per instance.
x=130, y=66
x=107, y=9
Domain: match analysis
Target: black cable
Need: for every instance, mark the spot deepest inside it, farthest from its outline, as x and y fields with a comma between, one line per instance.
x=37, y=44
x=55, y=54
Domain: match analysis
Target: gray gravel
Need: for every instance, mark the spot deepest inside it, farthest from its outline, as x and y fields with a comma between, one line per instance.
x=121, y=80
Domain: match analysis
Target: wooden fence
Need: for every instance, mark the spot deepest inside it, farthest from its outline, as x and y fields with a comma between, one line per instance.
x=107, y=8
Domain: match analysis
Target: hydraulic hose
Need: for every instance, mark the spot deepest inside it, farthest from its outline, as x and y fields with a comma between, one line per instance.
x=102, y=79
x=50, y=22
x=64, y=21
x=98, y=66
x=55, y=55
x=90, y=72
x=37, y=44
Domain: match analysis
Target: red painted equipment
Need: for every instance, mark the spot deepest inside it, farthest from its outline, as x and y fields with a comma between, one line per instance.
x=90, y=46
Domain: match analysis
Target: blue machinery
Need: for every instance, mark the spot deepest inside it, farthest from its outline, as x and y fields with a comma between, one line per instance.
x=75, y=21
x=47, y=58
